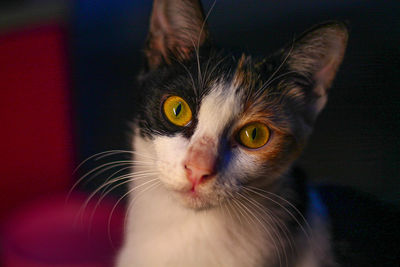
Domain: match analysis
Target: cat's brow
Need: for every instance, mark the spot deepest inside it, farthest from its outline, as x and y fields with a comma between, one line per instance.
x=217, y=110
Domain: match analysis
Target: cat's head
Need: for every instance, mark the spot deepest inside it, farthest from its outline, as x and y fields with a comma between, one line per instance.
x=214, y=123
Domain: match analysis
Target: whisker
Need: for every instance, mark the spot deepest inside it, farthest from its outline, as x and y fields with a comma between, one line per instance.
x=131, y=191
x=272, y=78
x=235, y=209
x=205, y=21
x=196, y=48
x=112, y=175
x=126, y=168
x=153, y=184
x=129, y=178
x=113, y=210
x=227, y=203
x=221, y=208
x=99, y=170
x=260, y=91
x=189, y=74
x=104, y=154
x=105, y=167
x=112, y=153
x=101, y=154
x=266, y=231
x=214, y=68
x=282, y=63
x=285, y=209
x=282, y=226
x=132, y=202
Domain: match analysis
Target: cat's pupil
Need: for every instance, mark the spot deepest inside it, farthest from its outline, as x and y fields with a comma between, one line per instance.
x=254, y=133
x=178, y=109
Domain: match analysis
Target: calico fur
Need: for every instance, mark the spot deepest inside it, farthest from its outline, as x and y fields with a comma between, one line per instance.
x=256, y=209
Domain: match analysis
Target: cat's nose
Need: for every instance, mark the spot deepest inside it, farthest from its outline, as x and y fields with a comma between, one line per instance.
x=198, y=174
x=200, y=163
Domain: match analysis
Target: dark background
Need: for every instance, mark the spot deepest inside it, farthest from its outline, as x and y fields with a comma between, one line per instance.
x=355, y=142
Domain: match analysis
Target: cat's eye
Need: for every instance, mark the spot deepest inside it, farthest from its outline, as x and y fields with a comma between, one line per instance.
x=177, y=111
x=254, y=135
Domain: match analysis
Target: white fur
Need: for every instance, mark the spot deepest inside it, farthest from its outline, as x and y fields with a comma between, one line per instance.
x=216, y=110
x=164, y=233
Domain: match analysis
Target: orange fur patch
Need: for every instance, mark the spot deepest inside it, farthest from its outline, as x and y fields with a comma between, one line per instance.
x=282, y=147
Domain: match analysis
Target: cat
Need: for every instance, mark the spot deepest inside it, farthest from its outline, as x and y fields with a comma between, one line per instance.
x=215, y=140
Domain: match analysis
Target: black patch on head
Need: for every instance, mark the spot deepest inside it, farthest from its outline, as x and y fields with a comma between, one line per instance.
x=180, y=79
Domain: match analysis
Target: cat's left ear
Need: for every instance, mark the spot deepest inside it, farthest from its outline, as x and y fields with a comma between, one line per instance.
x=177, y=28
x=317, y=55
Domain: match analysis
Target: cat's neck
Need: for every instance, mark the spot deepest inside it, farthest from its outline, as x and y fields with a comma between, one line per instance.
x=159, y=222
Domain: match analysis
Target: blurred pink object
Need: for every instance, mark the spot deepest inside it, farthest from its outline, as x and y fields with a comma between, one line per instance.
x=55, y=232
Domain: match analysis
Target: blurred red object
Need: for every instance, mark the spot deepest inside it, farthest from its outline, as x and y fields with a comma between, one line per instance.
x=54, y=232
x=36, y=141
x=37, y=157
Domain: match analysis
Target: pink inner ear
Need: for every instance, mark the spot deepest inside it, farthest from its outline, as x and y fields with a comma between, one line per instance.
x=323, y=80
x=320, y=52
x=159, y=27
x=176, y=28
x=325, y=76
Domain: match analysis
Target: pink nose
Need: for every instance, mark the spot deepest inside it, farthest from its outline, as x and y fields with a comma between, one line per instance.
x=197, y=175
x=200, y=163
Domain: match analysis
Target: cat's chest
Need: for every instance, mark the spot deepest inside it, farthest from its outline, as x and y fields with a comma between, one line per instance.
x=179, y=237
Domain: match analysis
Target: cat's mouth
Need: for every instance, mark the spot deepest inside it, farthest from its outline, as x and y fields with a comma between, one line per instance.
x=195, y=199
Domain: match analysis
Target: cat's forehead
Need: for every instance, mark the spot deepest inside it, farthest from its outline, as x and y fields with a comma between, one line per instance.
x=218, y=108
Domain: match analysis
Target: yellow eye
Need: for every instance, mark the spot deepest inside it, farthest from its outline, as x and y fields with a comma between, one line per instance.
x=254, y=135
x=177, y=111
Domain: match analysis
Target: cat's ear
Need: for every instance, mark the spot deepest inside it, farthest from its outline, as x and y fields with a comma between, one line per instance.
x=317, y=55
x=177, y=28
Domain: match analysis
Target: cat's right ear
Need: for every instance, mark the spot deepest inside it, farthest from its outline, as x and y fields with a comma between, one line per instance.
x=316, y=55
x=177, y=28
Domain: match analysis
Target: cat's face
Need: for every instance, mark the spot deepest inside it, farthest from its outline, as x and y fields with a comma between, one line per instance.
x=214, y=124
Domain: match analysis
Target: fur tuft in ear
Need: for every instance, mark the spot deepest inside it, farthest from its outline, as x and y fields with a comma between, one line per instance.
x=177, y=27
x=317, y=55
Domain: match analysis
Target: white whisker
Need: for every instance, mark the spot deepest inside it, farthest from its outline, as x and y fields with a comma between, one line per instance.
x=128, y=178
x=266, y=230
x=281, y=225
x=133, y=201
x=153, y=183
x=151, y=186
x=262, y=222
x=307, y=233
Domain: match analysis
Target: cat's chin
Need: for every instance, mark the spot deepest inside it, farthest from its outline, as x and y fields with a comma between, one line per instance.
x=194, y=200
